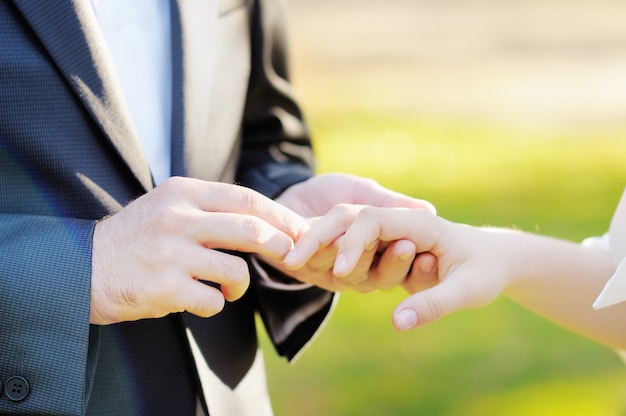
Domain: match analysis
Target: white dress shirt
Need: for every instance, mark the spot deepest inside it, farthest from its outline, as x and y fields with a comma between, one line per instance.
x=138, y=36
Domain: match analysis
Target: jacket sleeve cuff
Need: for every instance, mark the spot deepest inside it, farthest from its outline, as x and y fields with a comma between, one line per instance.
x=292, y=312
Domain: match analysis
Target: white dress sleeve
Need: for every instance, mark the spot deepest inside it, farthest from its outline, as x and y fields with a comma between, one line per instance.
x=613, y=242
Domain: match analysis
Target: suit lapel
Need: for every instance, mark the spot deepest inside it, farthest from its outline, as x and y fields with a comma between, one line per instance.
x=69, y=32
x=193, y=42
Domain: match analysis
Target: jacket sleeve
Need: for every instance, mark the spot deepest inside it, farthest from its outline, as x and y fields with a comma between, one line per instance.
x=42, y=260
x=277, y=153
x=47, y=218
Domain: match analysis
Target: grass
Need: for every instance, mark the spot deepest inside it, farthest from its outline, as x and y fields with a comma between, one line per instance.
x=499, y=360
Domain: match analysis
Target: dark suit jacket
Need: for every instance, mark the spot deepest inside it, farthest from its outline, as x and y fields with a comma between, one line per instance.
x=69, y=155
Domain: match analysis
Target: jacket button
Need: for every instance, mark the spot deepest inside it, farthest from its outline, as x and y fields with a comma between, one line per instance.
x=16, y=388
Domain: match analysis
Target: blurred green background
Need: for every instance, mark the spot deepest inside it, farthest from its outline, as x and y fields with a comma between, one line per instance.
x=506, y=113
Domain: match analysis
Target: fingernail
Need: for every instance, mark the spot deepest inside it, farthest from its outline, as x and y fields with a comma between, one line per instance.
x=406, y=319
x=404, y=256
x=291, y=256
x=341, y=262
x=427, y=267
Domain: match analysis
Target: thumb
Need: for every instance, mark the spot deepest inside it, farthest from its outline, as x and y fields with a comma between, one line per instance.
x=430, y=305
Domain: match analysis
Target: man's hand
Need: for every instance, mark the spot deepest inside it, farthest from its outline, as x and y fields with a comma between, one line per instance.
x=380, y=266
x=148, y=258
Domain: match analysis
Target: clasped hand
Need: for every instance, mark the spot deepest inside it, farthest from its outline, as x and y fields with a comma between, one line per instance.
x=150, y=259
x=454, y=268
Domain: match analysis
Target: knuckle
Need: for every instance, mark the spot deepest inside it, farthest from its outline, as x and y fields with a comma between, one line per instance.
x=170, y=186
x=174, y=183
x=320, y=264
x=250, y=199
x=162, y=251
x=169, y=284
x=233, y=276
x=208, y=306
x=342, y=210
x=355, y=279
x=233, y=269
x=363, y=288
x=368, y=213
x=171, y=219
x=238, y=272
x=339, y=208
x=435, y=308
x=203, y=300
x=254, y=231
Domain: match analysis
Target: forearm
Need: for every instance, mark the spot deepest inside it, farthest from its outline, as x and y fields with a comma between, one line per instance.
x=560, y=280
